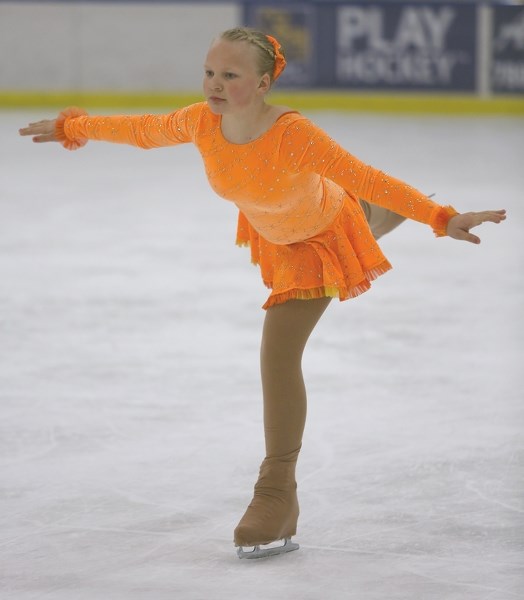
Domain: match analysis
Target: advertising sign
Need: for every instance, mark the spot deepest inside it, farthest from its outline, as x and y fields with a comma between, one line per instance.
x=406, y=46
x=397, y=46
x=507, y=60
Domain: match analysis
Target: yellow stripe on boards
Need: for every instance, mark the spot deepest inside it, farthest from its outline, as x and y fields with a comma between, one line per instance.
x=299, y=99
x=402, y=103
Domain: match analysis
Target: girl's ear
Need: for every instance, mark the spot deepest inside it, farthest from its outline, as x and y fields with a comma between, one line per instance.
x=265, y=83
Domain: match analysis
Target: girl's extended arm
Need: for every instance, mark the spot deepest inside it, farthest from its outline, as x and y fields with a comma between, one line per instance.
x=74, y=127
x=307, y=147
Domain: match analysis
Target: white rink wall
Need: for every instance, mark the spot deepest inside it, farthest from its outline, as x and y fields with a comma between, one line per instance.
x=119, y=46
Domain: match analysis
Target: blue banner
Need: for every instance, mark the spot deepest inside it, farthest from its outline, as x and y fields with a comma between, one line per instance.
x=507, y=60
x=406, y=46
x=374, y=45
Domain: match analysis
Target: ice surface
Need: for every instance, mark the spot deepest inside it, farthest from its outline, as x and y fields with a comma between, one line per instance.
x=130, y=405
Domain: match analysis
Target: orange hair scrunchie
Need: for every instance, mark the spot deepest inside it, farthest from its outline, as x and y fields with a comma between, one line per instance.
x=70, y=144
x=280, y=61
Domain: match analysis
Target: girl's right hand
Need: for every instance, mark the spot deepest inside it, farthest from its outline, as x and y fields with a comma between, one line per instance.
x=43, y=131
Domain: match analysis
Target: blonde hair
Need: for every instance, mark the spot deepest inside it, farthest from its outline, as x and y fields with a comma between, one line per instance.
x=266, y=55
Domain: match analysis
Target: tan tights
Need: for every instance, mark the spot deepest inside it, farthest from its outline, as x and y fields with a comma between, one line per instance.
x=287, y=328
x=381, y=220
x=273, y=512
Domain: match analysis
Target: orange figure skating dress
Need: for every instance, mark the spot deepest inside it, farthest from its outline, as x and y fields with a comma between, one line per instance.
x=296, y=189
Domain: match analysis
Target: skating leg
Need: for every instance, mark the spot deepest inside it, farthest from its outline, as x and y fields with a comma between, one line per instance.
x=273, y=512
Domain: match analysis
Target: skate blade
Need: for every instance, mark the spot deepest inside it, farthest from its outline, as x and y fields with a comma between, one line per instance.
x=258, y=552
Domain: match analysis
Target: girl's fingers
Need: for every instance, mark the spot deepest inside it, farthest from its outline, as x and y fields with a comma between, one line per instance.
x=493, y=216
x=496, y=216
x=31, y=130
x=466, y=236
x=44, y=127
x=469, y=237
x=50, y=137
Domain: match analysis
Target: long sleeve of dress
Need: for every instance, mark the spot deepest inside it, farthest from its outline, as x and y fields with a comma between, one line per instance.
x=145, y=131
x=306, y=147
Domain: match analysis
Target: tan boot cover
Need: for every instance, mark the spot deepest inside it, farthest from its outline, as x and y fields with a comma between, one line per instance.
x=273, y=512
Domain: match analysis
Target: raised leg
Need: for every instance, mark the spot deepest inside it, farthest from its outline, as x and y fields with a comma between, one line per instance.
x=273, y=512
x=381, y=220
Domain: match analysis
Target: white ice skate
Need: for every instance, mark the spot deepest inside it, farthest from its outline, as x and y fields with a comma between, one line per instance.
x=258, y=552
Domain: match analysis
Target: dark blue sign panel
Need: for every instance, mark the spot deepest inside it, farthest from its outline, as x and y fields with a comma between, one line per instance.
x=507, y=61
x=406, y=46
x=374, y=45
x=293, y=26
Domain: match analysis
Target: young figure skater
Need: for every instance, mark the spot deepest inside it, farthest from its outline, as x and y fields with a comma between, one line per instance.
x=298, y=194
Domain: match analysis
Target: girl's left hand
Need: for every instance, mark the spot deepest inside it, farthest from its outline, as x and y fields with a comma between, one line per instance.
x=459, y=225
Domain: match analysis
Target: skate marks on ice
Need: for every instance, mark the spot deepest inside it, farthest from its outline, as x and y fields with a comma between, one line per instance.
x=459, y=572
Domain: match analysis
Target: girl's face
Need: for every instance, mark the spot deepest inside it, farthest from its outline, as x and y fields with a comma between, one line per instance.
x=231, y=79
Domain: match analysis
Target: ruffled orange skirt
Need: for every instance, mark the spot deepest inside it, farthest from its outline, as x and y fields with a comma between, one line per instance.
x=340, y=262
